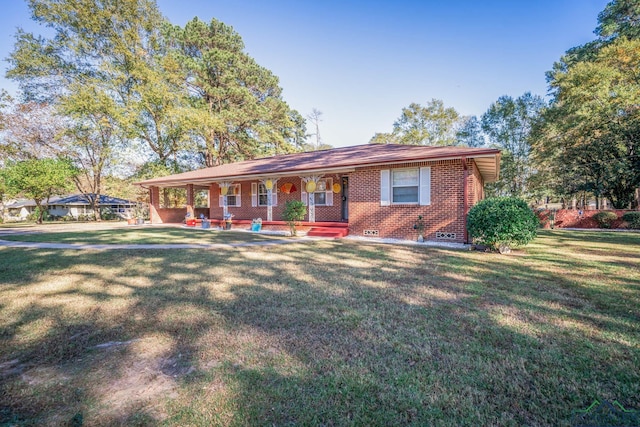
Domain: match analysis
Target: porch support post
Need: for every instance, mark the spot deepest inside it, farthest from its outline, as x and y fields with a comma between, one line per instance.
x=212, y=196
x=190, y=201
x=311, y=183
x=224, y=190
x=270, y=185
x=465, y=195
x=154, y=205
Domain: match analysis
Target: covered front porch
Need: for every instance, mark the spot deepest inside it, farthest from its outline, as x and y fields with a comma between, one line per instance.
x=244, y=200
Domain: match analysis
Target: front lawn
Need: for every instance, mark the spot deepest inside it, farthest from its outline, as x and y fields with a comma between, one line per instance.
x=143, y=235
x=320, y=333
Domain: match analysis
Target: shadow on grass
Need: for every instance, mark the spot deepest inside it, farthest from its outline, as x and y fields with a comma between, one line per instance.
x=322, y=333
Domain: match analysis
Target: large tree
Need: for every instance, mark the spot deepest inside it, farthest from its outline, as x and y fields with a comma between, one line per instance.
x=237, y=109
x=88, y=71
x=38, y=180
x=592, y=128
x=508, y=123
x=470, y=132
x=588, y=140
x=433, y=124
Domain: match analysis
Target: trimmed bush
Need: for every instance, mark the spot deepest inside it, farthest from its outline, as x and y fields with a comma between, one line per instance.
x=633, y=219
x=294, y=212
x=605, y=218
x=502, y=222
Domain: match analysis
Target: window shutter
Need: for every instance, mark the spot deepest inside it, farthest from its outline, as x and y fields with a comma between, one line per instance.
x=329, y=192
x=385, y=194
x=274, y=197
x=239, y=196
x=425, y=186
x=221, y=201
x=304, y=193
x=254, y=194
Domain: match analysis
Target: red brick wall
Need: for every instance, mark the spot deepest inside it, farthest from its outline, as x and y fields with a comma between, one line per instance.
x=445, y=214
x=169, y=215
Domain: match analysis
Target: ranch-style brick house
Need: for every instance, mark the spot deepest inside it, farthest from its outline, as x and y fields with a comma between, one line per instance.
x=375, y=190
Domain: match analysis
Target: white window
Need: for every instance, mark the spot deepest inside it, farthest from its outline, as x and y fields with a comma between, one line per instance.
x=259, y=195
x=320, y=196
x=233, y=196
x=262, y=195
x=323, y=196
x=405, y=186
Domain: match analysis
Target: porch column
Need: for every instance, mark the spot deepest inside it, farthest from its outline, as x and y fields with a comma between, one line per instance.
x=154, y=205
x=190, y=201
x=224, y=190
x=269, y=185
x=465, y=196
x=213, y=195
x=311, y=183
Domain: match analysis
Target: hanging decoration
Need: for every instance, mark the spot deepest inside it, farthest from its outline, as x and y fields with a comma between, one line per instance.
x=311, y=186
x=268, y=184
x=336, y=188
x=288, y=188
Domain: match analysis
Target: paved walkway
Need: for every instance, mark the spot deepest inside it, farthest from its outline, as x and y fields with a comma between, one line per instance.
x=138, y=246
x=70, y=227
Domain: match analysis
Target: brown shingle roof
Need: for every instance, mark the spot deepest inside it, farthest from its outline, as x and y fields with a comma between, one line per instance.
x=335, y=159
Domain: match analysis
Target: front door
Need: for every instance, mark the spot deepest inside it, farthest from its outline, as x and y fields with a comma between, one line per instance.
x=345, y=198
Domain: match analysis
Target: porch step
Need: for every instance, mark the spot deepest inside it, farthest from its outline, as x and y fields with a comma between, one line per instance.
x=335, y=232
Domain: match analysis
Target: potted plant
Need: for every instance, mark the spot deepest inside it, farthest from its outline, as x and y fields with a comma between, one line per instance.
x=139, y=213
x=256, y=224
x=419, y=227
x=228, y=219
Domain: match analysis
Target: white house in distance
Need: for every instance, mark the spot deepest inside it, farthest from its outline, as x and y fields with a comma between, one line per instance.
x=73, y=205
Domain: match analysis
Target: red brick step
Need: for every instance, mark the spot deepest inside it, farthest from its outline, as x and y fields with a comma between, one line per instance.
x=335, y=232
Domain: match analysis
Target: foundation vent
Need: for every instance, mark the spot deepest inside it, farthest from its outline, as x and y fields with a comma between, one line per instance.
x=371, y=233
x=448, y=236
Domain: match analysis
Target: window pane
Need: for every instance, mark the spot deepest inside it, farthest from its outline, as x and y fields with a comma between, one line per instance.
x=405, y=177
x=262, y=200
x=320, y=198
x=405, y=194
x=231, y=200
x=321, y=186
x=262, y=189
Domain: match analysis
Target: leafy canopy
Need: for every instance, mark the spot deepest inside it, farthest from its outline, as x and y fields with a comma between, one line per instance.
x=433, y=124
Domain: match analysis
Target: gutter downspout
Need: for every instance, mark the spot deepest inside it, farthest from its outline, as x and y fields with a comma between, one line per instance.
x=465, y=193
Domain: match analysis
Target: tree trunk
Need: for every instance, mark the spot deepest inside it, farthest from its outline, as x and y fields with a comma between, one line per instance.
x=96, y=207
x=40, y=212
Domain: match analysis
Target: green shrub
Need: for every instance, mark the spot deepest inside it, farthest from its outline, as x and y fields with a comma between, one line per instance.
x=605, y=218
x=633, y=219
x=502, y=221
x=294, y=211
x=34, y=216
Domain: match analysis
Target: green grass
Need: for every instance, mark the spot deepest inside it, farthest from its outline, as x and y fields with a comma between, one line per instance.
x=321, y=333
x=138, y=235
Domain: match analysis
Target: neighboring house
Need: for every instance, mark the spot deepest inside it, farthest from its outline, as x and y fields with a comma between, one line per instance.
x=73, y=205
x=369, y=190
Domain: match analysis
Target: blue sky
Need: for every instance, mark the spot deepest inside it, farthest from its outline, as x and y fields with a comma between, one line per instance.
x=361, y=62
